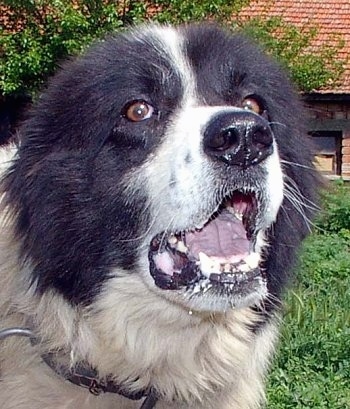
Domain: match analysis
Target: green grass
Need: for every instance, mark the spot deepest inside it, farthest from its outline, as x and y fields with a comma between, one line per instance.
x=312, y=368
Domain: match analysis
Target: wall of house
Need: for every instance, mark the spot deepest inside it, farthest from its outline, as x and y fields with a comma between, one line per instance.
x=346, y=153
x=333, y=117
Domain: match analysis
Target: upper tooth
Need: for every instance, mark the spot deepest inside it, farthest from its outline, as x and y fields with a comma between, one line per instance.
x=235, y=212
x=239, y=215
x=199, y=226
x=227, y=268
x=172, y=240
x=244, y=268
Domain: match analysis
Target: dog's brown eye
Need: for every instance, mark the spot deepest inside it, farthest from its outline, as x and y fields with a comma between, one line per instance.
x=252, y=104
x=138, y=111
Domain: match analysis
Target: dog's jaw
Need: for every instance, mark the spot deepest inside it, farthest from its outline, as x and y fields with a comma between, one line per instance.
x=185, y=189
x=183, y=196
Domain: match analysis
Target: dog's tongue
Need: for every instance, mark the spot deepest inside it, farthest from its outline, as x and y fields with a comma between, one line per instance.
x=224, y=236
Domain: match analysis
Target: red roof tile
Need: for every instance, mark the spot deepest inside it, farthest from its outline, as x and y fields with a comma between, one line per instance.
x=330, y=17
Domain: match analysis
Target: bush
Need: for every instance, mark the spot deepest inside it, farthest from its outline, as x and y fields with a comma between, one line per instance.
x=291, y=46
x=312, y=369
x=335, y=217
x=35, y=35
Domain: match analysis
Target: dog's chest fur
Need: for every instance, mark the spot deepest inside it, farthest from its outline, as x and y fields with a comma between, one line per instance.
x=203, y=362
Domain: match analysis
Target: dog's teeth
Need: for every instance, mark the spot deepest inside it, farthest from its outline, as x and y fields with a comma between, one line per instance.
x=181, y=247
x=252, y=260
x=216, y=267
x=172, y=240
x=206, y=264
x=199, y=226
x=235, y=212
x=239, y=216
x=244, y=268
x=233, y=268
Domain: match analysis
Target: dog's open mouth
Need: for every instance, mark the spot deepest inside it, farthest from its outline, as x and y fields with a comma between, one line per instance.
x=221, y=255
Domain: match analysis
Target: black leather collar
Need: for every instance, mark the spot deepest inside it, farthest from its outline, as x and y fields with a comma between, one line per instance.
x=84, y=375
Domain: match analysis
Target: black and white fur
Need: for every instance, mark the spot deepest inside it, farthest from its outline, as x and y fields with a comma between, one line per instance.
x=87, y=191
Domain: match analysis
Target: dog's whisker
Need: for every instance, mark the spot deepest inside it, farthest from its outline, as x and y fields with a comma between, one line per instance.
x=166, y=231
x=297, y=200
x=277, y=123
x=292, y=188
x=284, y=161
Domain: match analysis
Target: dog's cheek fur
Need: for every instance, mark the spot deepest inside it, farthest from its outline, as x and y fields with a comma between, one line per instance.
x=59, y=210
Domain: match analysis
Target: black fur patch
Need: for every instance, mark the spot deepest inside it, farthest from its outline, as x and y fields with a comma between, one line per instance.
x=73, y=214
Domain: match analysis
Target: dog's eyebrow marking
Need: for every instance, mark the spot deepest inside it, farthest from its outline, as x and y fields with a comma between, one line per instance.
x=169, y=43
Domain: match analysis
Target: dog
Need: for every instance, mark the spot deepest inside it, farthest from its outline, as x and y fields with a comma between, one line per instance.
x=151, y=218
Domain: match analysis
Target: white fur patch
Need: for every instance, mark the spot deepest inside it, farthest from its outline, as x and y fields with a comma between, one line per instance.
x=194, y=359
x=7, y=154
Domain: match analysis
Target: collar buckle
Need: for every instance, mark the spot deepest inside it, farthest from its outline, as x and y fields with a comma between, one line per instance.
x=95, y=388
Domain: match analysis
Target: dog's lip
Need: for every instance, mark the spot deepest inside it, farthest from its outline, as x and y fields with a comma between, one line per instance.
x=221, y=254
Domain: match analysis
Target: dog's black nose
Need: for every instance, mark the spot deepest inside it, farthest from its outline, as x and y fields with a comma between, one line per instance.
x=238, y=138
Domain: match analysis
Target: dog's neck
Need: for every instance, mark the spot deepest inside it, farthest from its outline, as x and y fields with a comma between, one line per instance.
x=82, y=373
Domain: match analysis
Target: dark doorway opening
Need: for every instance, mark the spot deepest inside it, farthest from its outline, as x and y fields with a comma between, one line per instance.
x=328, y=151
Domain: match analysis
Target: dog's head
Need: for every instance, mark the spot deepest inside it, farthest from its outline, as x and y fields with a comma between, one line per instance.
x=172, y=155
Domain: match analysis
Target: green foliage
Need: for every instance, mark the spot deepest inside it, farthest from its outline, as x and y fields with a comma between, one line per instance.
x=292, y=47
x=312, y=370
x=336, y=215
x=36, y=35
x=181, y=11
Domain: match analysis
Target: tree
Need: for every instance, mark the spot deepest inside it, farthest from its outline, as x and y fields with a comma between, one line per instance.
x=310, y=69
x=36, y=35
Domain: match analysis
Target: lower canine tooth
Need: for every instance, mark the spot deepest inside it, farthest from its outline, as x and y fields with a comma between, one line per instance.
x=252, y=260
x=206, y=264
x=181, y=247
